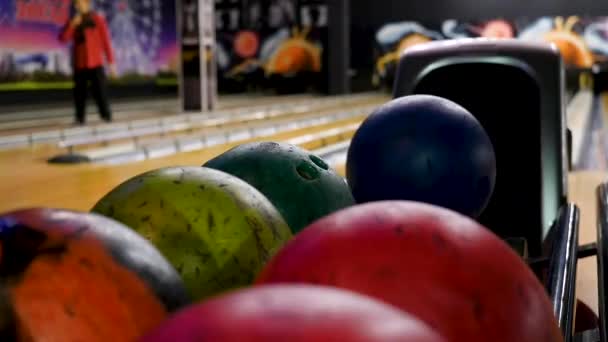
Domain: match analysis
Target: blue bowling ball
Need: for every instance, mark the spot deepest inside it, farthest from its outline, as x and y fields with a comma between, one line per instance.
x=423, y=148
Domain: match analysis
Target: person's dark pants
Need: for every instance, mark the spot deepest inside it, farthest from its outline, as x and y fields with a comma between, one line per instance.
x=97, y=79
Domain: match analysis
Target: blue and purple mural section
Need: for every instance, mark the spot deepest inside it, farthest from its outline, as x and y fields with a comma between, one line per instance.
x=582, y=41
x=31, y=57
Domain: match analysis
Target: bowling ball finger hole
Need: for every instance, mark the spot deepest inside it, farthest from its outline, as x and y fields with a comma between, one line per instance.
x=307, y=171
x=319, y=162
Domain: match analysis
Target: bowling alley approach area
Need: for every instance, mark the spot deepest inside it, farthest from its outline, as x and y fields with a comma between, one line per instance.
x=303, y=170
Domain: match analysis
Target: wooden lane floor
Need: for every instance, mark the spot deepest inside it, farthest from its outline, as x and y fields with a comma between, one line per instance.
x=582, y=192
x=27, y=182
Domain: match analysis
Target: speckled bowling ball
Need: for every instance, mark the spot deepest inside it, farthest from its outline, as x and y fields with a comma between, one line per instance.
x=216, y=230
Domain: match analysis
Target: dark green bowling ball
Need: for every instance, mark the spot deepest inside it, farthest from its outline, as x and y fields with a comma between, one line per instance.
x=300, y=185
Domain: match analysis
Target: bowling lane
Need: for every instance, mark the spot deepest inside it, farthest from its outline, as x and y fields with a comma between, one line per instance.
x=79, y=187
x=175, y=143
x=62, y=118
x=594, y=143
x=578, y=120
x=582, y=191
x=19, y=121
x=252, y=121
x=593, y=151
x=603, y=131
x=41, y=152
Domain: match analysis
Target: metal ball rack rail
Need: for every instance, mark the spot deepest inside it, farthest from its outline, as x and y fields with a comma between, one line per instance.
x=560, y=268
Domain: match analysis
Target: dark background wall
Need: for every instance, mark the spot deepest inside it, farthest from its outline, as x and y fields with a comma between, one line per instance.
x=369, y=15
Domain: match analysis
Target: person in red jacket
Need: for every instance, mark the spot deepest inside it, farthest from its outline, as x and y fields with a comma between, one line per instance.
x=88, y=31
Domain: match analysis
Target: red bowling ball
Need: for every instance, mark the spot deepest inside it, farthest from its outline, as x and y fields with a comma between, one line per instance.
x=438, y=265
x=293, y=313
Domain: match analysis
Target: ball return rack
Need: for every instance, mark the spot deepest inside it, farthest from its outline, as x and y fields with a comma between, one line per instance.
x=558, y=270
x=517, y=92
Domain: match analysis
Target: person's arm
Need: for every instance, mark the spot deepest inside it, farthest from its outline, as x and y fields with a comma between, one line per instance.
x=106, y=40
x=67, y=33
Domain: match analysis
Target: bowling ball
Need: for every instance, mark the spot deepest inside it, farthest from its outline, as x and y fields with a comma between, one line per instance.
x=292, y=313
x=300, y=184
x=216, y=230
x=69, y=276
x=436, y=264
x=423, y=148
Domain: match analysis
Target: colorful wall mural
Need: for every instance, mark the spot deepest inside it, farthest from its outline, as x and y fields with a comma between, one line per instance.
x=263, y=43
x=582, y=41
x=257, y=42
x=143, y=34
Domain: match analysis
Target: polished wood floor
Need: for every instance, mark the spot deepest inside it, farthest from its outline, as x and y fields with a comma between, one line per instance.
x=26, y=180
x=31, y=182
